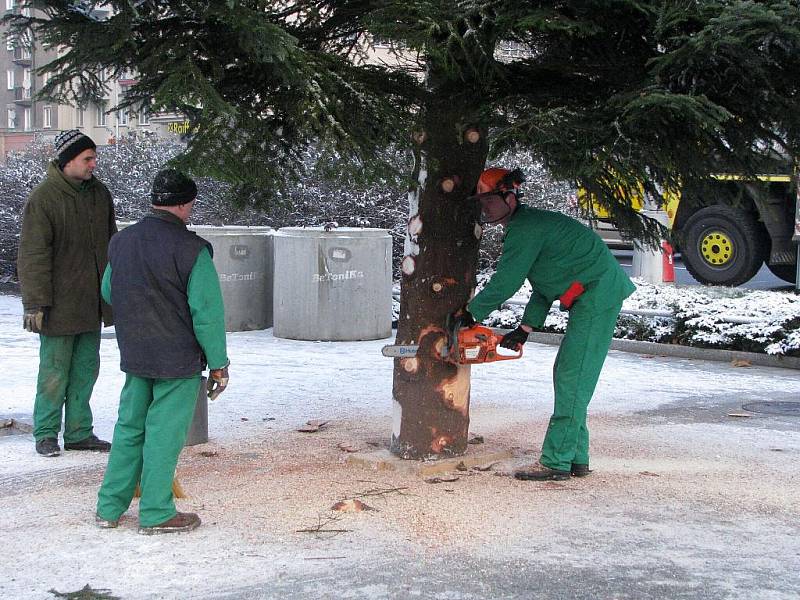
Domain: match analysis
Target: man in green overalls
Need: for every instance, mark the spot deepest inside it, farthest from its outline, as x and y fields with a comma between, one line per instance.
x=170, y=323
x=562, y=259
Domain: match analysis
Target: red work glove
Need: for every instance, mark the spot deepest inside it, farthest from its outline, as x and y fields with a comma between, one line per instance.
x=567, y=299
x=217, y=382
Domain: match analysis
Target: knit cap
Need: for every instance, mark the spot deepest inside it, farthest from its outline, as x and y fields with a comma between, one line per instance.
x=171, y=188
x=69, y=144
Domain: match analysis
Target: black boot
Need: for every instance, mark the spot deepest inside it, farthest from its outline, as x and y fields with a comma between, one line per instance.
x=541, y=473
x=579, y=470
x=48, y=447
x=90, y=443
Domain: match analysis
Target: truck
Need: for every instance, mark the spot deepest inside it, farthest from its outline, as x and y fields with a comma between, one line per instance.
x=726, y=230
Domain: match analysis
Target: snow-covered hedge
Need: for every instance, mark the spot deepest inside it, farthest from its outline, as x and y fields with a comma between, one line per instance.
x=697, y=315
x=706, y=317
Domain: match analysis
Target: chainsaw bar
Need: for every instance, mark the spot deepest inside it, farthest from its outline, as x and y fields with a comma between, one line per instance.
x=400, y=351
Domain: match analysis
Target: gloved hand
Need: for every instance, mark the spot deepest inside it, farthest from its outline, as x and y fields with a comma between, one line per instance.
x=466, y=318
x=217, y=382
x=513, y=340
x=33, y=319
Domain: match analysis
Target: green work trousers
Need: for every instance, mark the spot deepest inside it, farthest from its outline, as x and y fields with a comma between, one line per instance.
x=154, y=419
x=575, y=373
x=68, y=368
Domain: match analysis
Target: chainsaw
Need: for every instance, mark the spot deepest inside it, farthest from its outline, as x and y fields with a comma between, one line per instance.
x=472, y=345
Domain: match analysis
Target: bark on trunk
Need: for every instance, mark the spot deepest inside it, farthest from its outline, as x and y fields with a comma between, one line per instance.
x=431, y=397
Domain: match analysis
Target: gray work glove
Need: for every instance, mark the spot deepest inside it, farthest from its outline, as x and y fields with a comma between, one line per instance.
x=33, y=319
x=217, y=382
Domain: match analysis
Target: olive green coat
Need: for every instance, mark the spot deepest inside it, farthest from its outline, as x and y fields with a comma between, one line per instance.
x=63, y=251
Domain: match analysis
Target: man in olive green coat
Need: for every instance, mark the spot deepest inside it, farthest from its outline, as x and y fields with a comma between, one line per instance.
x=170, y=324
x=562, y=260
x=66, y=226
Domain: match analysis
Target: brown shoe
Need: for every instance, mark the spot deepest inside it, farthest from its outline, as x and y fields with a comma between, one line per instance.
x=541, y=473
x=177, y=524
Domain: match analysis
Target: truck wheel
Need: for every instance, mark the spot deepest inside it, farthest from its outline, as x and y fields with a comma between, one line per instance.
x=785, y=272
x=722, y=245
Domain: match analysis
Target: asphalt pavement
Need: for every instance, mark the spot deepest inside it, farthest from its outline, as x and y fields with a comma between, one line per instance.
x=763, y=280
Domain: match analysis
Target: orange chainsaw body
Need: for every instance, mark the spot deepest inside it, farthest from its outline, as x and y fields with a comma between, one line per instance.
x=476, y=345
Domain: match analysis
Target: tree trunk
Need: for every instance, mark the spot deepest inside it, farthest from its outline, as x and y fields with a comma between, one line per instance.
x=431, y=397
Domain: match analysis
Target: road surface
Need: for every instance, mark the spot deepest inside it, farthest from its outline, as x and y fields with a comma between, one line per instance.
x=763, y=280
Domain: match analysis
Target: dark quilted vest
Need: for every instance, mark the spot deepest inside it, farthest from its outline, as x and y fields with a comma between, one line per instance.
x=150, y=266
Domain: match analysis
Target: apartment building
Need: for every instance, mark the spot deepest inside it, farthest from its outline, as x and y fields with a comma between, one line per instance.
x=23, y=116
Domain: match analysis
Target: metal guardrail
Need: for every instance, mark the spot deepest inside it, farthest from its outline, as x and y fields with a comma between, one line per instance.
x=649, y=312
x=636, y=312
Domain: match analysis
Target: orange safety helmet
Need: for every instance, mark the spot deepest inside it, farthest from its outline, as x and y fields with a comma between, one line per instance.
x=497, y=179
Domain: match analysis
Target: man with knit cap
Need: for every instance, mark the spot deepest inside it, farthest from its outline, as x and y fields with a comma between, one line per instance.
x=67, y=223
x=170, y=325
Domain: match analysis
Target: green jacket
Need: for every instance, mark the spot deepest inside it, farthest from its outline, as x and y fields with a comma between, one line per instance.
x=552, y=251
x=63, y=251
x=205, y=303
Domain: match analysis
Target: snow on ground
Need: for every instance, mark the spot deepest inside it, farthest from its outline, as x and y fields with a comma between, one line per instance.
x=678, y=483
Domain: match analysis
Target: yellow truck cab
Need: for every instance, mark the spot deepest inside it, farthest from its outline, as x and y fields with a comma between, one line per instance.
x=725, y=236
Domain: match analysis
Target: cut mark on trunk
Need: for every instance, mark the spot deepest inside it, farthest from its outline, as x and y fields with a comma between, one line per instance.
x=414, y=226
x=440, y=442
x=439, y=347
x=455, y=390
x=410, y=365
x=409, y=265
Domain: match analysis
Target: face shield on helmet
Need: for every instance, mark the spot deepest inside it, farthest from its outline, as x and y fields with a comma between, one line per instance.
x=495, y=206
x=498, y=191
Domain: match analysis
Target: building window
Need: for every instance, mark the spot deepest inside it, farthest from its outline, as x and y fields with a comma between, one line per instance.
x=27, y=119
x=47, y=122
x=12, y=118
x=122, y=116
x=10, y=4
x=144, y=115
x=80, y=116
x=101, y=114
x=9, y=42
x=10, y=75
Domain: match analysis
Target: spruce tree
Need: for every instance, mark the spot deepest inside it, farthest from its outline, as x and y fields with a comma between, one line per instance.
x=620, y=96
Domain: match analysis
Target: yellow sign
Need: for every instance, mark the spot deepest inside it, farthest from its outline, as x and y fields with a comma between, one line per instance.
x=178, y=128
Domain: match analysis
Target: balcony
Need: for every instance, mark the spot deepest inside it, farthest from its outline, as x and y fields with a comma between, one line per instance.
x=22, y=56
x=23, y=95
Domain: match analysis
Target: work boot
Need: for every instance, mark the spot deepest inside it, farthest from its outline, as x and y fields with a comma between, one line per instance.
x=541, y=473
x=90, y=443
x=177, y=524
x=578, y=470
x=105, y=523
x=48, y=447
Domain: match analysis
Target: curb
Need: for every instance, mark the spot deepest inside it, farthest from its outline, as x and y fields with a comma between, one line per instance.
x=674, y=350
